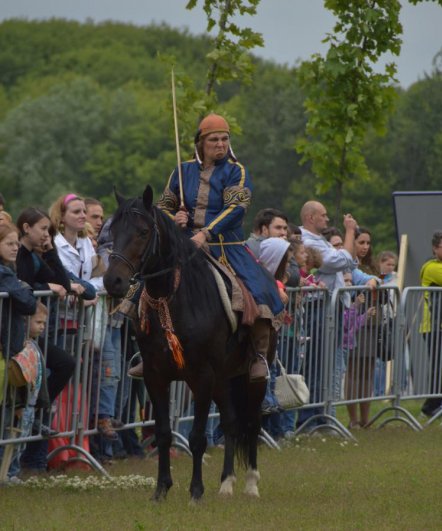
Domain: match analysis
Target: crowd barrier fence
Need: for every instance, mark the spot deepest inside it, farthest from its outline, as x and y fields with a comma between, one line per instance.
x=385, y=348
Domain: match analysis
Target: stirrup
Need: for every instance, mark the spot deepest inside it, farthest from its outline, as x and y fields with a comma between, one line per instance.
x=259, y=359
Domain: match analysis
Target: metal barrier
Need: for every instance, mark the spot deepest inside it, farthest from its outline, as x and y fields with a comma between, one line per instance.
x=341, y=350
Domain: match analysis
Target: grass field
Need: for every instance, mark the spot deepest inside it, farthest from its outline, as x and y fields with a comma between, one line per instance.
x=390, y=479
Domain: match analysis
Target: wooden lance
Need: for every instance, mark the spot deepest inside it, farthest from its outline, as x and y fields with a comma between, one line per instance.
x=177, y=142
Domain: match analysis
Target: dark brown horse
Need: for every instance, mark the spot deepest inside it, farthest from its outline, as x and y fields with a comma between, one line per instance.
x=148, y=246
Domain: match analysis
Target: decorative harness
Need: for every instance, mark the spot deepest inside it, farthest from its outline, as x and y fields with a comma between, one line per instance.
x=161, y=305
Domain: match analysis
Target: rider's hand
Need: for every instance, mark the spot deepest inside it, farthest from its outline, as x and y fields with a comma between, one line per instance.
x=199, y=239
x=181, y=218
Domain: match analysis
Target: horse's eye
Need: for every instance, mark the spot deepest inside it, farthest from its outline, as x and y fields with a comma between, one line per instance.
x=144, y=232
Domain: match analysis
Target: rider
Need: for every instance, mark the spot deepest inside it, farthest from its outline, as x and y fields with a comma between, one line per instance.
x=217, y=192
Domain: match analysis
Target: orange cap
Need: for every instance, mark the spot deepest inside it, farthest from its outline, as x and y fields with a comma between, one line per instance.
x=213, y=123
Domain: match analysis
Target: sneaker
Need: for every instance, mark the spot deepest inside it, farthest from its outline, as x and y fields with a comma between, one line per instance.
x=117, y=423
x=431, y=406
x=38, y=428
x=104, y=427
x=14, y=480
x=137, y=371
x=259, y=370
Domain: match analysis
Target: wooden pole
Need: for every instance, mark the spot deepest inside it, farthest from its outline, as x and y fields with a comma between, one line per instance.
x=177, y=143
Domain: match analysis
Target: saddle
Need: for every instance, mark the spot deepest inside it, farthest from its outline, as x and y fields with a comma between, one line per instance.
x=234, y=294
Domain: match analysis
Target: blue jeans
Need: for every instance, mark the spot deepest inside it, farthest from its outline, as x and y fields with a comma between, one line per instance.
x=109, y=376
x=25, y=425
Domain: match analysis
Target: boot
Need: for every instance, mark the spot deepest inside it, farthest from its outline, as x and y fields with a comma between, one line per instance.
x=136, y=371
x=259, y=370
x=260, y=340
x=105, y=428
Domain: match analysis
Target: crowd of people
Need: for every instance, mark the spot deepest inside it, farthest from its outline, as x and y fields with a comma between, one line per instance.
x=66, y=250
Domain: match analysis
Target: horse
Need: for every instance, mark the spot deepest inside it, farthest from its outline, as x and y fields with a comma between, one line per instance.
x=184, y=334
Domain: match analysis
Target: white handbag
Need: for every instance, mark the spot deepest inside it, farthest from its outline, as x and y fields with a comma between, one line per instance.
x=291, y=390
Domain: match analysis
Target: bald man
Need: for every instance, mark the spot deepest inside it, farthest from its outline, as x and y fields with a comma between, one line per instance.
x=334, y=261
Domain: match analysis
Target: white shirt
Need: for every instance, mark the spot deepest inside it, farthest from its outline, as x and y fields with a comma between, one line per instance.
x=79, y=259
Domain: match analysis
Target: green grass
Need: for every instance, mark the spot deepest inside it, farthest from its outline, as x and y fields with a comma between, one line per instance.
x=390, y=479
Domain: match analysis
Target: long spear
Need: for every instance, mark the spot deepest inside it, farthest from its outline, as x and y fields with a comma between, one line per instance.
x=177, y=143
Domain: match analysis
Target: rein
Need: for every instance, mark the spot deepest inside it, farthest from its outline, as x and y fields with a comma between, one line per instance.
x=161, y=305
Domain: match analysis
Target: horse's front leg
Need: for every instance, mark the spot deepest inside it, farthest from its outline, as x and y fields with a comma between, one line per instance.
x=159, y=395
x=202, y=391
x=227, y=419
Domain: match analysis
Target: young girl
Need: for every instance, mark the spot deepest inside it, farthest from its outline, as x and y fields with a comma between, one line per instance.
x=20, y=302
x=387, y=263
x=313, y=261
x=359, y=375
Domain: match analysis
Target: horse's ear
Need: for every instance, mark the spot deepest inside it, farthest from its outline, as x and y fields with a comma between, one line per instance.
x=120, y=199
x=148, y=197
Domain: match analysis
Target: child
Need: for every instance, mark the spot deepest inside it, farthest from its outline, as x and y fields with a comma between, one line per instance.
x=387, y=263
x=355, y=382
x=274, y=256
x=35, y=390
x=313, y=262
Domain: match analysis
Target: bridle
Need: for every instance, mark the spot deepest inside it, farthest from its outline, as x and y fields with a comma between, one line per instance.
x=151, y=252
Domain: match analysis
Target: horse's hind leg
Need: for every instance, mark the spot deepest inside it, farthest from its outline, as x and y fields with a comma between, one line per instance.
x=256, y=392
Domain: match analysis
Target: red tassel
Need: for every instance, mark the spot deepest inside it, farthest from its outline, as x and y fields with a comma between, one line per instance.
x=176, y=348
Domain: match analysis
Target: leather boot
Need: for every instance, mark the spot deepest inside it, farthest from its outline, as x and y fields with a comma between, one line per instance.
x=260, y=339
x=259, y=370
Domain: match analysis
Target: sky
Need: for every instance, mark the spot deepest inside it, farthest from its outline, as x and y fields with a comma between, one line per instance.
x=292, y=29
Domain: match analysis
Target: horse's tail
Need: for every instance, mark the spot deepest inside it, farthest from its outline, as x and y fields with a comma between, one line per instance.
x=246, y=399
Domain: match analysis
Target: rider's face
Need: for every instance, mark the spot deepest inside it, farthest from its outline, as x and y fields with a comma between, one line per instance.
x=215, y=146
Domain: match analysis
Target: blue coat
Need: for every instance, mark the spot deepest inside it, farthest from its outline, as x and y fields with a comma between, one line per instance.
x=21, y=302
x=217, y=202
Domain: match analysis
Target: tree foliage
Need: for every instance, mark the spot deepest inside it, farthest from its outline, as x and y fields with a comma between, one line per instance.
x=87, y=106
x=345, y=97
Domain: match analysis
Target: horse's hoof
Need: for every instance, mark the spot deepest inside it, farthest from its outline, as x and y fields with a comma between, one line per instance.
x=252, y=478
x=195, y=501
x=226, y=488
x=252, y=491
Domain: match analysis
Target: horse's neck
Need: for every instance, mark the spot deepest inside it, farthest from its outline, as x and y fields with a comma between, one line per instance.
x=161, y=286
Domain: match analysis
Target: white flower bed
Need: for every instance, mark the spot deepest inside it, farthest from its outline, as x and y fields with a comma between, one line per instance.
x=132, y=481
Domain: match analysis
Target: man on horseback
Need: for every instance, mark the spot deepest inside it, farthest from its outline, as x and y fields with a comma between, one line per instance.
x=216, y=191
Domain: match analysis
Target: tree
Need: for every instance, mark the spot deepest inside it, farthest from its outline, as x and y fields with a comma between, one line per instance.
x=345, y=97
x=228, y=60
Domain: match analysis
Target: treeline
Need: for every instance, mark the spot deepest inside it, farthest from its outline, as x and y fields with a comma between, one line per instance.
x=84, y=107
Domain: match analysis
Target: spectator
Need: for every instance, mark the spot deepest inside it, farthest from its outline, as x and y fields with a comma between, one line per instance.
x=12, y=332
x=334, y=236
x=22, y=300
x=364, y=251
x=94, y=214
x=108, y=359
x=68, y=216
x=386, y=265
x=5, y=218
x=39, y=265
x=334, y=262
x=37, y=396
x=355, y=318
x=431, y=275
x=361, y=366
x=274, y=256
x=268, y=223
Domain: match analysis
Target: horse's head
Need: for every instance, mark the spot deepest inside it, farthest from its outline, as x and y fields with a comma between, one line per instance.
x=135, y=242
